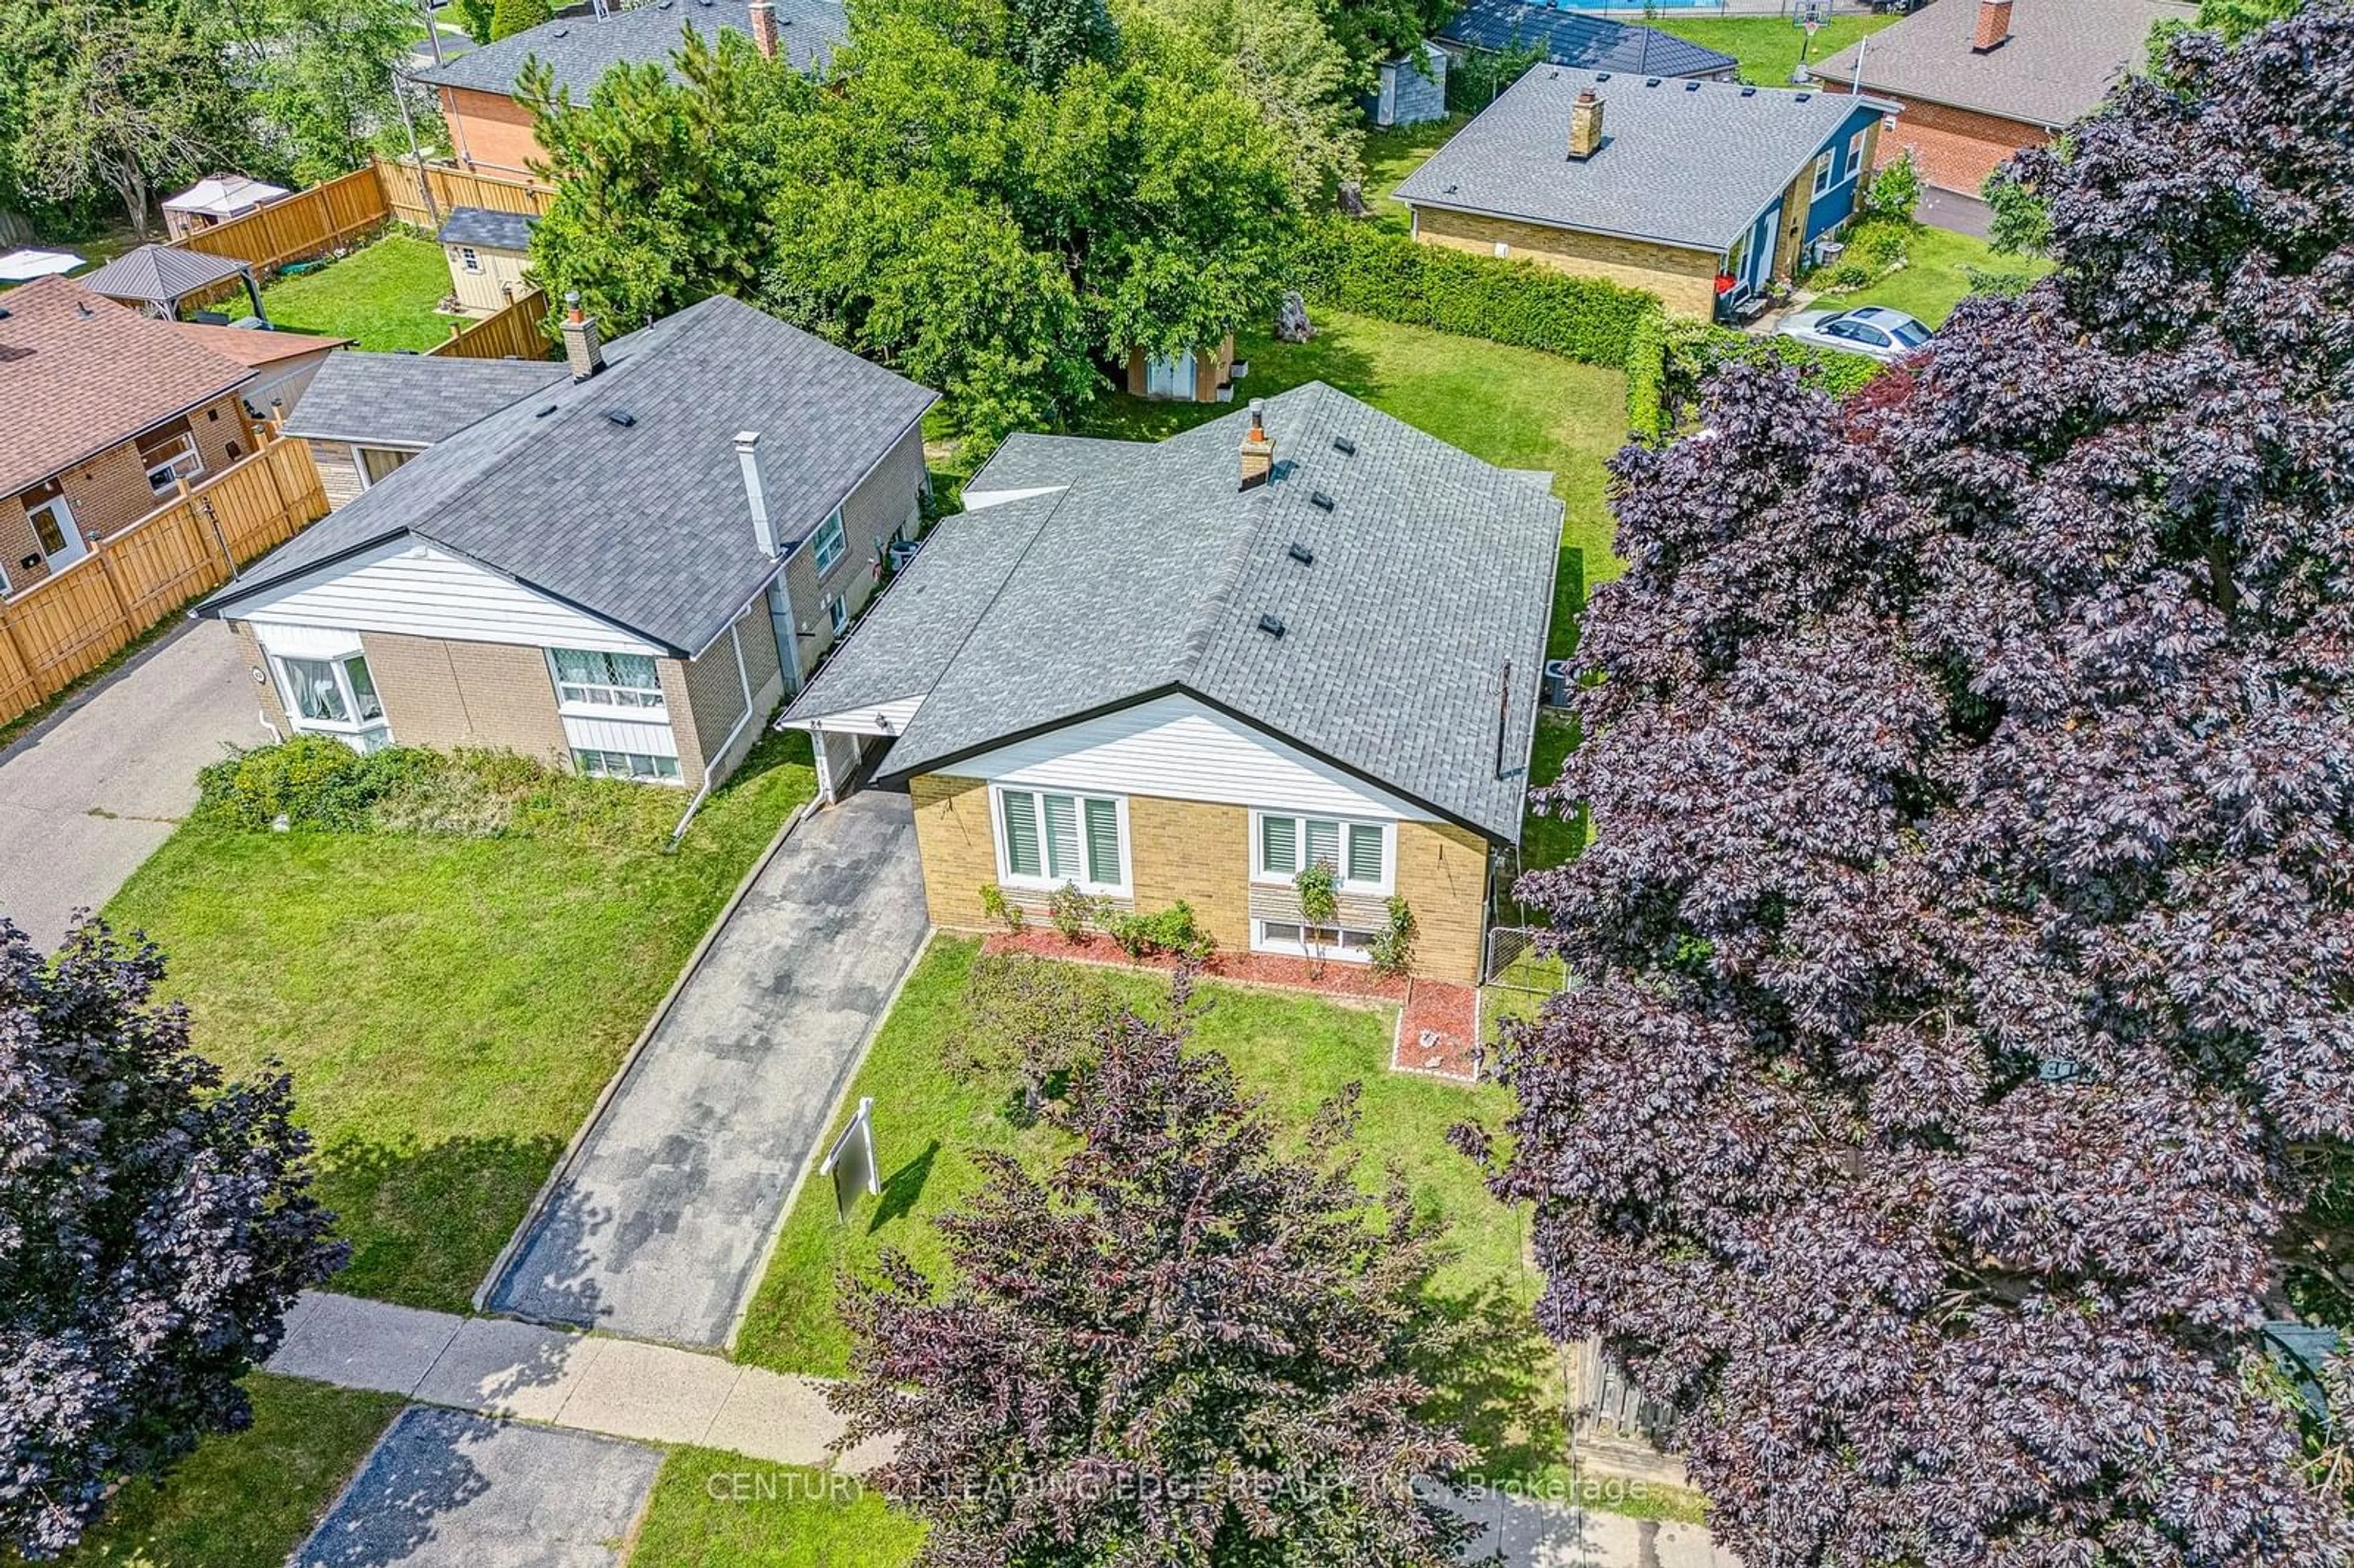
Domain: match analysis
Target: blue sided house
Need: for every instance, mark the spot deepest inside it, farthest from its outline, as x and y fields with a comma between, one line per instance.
x=1703, y=193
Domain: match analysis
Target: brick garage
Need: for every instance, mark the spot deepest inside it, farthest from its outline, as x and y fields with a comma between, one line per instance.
x=1956, y=148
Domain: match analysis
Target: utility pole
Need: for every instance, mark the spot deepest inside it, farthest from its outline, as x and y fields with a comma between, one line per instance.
x=416, y=157
x=432, y=31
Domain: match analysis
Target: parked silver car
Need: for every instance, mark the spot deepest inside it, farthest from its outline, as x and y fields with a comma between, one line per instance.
x=1873, y=330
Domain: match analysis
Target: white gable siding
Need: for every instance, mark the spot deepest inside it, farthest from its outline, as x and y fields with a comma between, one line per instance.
x=416, y=591
x=1177, y=749
x=876, y=718
x=647, y=739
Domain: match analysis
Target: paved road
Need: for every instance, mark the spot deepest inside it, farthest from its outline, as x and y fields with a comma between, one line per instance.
x=658, y=1223
x=88, y=796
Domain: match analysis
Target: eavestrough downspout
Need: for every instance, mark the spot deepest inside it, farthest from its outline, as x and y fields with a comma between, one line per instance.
x=744, y=677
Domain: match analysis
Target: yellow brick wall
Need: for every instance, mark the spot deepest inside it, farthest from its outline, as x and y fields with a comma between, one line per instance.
x=955, y=839
x=1196, y=851
x=1442, y=872
x=886, y=505
x=442, y=693
x=706, y=695
x=1685, y=281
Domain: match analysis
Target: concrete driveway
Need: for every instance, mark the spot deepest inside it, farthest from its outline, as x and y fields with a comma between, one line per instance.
x=657, y=1224
x=90, y=793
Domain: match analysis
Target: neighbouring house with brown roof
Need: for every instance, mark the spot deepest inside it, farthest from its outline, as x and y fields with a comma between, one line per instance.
x=109, y=409
x=1978, y=80
x=282, y=362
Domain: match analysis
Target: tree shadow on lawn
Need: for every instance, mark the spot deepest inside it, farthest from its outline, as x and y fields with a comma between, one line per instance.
x=1502, y=1387
x=1274, y=367
x=425, y=1221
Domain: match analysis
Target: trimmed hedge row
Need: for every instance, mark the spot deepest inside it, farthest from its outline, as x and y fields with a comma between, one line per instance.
x=1374, y=272
x=1647, y=378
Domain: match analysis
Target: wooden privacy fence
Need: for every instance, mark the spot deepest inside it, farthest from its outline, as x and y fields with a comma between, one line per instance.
x=66, y=625
x=296, y=228
x=396, y=181
x=513, y=332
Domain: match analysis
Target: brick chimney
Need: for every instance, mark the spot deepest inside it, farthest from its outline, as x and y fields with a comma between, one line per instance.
x=764, y=28
x=1994, y=26
x=1584, y=125
x=582, y=352
x=1259, y=448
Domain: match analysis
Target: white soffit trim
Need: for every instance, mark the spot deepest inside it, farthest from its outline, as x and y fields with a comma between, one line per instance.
x=305, y=642
x=880, y=718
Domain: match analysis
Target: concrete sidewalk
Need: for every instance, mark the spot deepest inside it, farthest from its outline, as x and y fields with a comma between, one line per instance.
x=618, y=1388
x=659, y=1222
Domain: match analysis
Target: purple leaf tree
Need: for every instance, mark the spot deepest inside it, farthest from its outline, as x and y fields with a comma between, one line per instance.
x=155, y=1225
x=1181, y=1347
x=1966, y=1053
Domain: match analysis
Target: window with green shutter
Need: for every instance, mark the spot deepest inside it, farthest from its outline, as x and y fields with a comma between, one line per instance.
x=1021, y=833
x=1364, y=852
x=1062, y=838
x=1279, y=846
x=1324, y=844
x=1103, y=842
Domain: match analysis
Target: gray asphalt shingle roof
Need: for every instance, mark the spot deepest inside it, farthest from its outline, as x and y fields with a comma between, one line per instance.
x=410, y=400
x=578, y=50
x=1150, y=572
x=1588, y=43
x=1684, y=163
x=1024, y=461
x=643, y=524
x=2060, y=60
x=486, y=227
x=157, y=273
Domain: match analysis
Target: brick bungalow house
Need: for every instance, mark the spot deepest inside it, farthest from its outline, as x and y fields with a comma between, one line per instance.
x=1700, y=192
x=1307, y=632
x=108, y=411
x=489, y=130
x=623, y=569
x=1978, y=80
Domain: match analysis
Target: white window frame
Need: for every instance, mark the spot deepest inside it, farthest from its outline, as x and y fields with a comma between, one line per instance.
x=837, y=613
x=1045, y=881
x=359, y=733
x=1854, y=155
x=359, y=462
x=1826, y=169
x=1261, y=942
x=593, y=708
x=627, y=772
x=828, y=544
x=468, y=259
x=72, y=546
x=184, y=461
x=1344, y=884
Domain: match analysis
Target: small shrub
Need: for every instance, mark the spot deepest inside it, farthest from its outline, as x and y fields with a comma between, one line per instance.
x=994, y=904
x=1319, y=886
x=1697, y=350
x=1883, y=246
x=312, y=780
x=1393, y=950
x=1895, y=191
x=1172, y=930
x=1998, y=281
x=1071, y=912
x=1846, y=277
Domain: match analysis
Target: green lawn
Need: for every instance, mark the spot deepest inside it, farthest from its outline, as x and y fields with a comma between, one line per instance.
x=932, y=1114
x=1768, y=47
x=1933, y=280
x=449, y=1007
x=382, y=296
x=245, y=1500
x=1514, y=406
x=712, y=1510
x=1394, y=151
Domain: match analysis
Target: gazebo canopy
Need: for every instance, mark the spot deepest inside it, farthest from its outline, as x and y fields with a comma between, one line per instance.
x=223, y=195
x=160, y=277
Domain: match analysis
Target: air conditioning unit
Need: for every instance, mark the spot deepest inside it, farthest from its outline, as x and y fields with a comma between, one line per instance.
x=1557, y=682
x=902, y=551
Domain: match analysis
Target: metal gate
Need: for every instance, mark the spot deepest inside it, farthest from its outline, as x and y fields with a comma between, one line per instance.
x=1514, y=959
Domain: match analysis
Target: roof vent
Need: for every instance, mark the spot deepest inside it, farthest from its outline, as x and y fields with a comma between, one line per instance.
x=1691, y=87
x=3, y=314
x=1303, y=555
x=560, y=32
x=1748, y=92
x=1344, y=445
x=1270, y=625
x=544, y=413
x=1802, y=98
x=1321, y=501
x=1601, y=76
x=621, y=417
x=1651, y=82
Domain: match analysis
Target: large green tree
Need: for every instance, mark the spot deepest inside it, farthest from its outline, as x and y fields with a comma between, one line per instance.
x=326, y=79
x=130, y=96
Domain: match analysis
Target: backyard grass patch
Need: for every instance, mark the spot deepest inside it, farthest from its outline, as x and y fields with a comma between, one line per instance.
x=1768, y=46
x=1517, y=407
x=1935, y=275
x=1393, y=151
x=933, y=1114
x=245, y=1500
x=712, y=1510
x=449, y=1007
x=383, y=296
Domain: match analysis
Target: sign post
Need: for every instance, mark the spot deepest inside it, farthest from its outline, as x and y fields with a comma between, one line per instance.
x=851, y=1162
